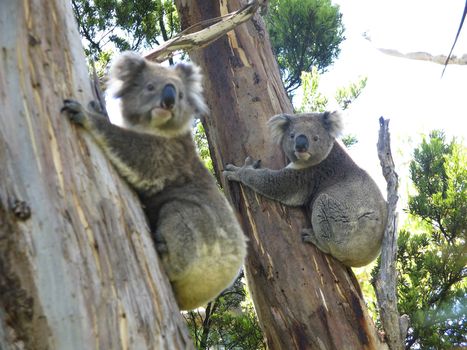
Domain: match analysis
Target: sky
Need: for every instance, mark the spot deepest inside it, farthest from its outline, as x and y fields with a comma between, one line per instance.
x=410, y=93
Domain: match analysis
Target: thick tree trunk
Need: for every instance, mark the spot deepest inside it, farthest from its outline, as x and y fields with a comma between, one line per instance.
x=78, y=269
x=304, y=299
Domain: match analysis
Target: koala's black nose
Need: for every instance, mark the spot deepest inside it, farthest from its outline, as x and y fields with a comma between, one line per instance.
x=168, y=96
x=301, y=143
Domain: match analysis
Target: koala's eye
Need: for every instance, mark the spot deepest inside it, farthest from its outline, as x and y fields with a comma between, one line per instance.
x=315, y=138
x=292, y=135
x=180, y=95
x=150, y=87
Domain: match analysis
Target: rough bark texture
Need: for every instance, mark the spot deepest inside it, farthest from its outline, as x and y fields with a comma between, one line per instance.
x=386, y=291
x=304, y=299
x=78, y=269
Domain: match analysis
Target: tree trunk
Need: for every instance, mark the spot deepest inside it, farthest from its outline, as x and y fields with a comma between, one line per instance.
x=78, y=268
x=304, y=299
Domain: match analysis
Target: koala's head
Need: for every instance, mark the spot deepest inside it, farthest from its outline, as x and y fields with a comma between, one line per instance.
x=156, y=99
x=308, y=138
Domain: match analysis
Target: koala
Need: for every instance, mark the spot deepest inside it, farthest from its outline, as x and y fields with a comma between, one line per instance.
x=196, y=233
x=347, y=211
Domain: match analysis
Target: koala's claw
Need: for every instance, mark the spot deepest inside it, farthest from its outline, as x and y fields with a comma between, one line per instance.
x=231, y=172
x=74, y=110
x=231, y=167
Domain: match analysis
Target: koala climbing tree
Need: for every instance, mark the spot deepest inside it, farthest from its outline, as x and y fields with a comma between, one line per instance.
x=197, y=235
x=346, y=210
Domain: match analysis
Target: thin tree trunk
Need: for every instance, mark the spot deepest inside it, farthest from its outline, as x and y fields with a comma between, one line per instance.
x=386, y=283
x=304, y=299
x=78, y=269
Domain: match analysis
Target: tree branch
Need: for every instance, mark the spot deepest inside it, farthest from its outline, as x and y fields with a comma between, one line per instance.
x=387, y=278
x=222, y=25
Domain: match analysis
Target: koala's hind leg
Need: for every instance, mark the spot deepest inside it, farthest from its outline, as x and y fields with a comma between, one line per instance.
x=332, y=224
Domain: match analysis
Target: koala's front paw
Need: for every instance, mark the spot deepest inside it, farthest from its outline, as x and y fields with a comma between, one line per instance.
x=75, y=112
x=233, y=172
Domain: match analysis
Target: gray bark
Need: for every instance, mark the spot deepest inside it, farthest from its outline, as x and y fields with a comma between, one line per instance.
x=78, y=269
x=386, y=282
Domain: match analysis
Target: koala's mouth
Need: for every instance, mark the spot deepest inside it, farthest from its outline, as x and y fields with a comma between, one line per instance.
x=160, y=116
x=302, y=155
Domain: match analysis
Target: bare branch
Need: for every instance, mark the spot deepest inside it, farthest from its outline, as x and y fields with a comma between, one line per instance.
x=201, y=38
x=387, y=278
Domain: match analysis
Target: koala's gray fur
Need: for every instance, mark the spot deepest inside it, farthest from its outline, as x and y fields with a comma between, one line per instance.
x=199, y=240
x=347, y=211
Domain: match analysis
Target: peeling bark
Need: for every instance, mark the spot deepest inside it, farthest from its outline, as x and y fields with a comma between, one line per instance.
x=78, y=268
x=304, y=298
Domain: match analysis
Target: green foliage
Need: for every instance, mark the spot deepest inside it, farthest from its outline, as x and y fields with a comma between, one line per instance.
x=313, y=99
x=365, y=279
x=229, y=322
x=346, y=95
x=202, y=145
x=432, y=287
x=303, y=33
x=349, y=140
x=124, y=25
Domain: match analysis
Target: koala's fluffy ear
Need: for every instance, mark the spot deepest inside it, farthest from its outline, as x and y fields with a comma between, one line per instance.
x=278, y=125
x=192, y=79
x=124, y=68
x=332, y=122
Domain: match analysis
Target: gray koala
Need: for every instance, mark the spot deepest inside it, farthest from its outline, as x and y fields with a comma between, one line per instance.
x=197, y=235
x=348, y=213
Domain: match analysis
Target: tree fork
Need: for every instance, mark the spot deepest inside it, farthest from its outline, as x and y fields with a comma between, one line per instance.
x=304, y=298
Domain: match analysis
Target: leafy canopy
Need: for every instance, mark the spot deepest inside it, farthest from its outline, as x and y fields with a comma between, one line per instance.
x=124, y=25
x=303, y=33
x=432, y=258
